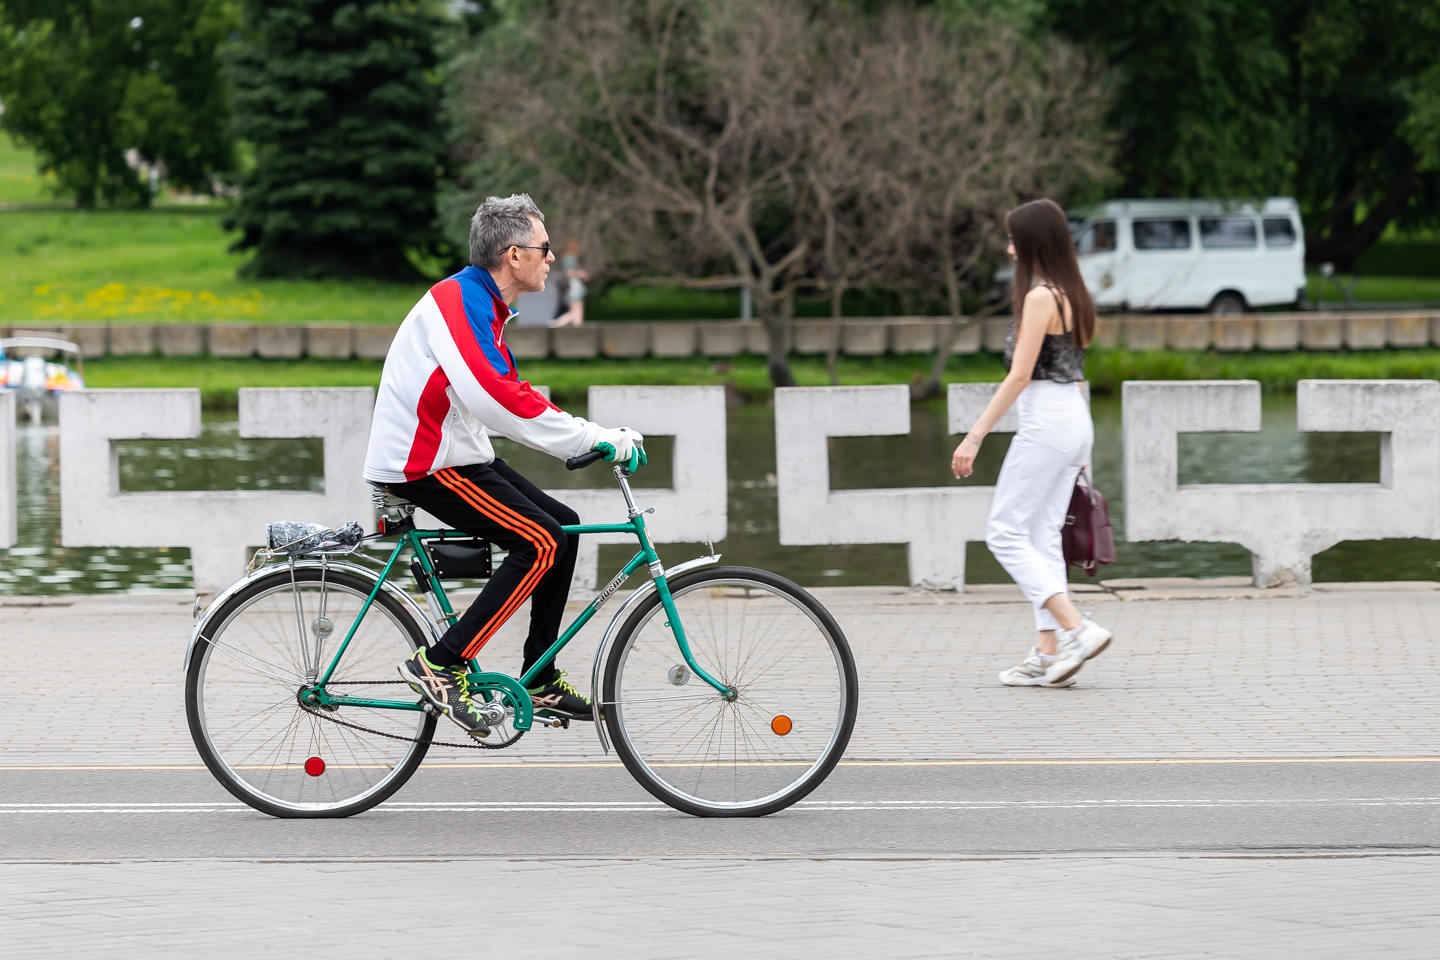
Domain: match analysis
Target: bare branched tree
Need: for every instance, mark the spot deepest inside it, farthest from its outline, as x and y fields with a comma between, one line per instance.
x=678, y=127
x=776, y=145
x=991, y=120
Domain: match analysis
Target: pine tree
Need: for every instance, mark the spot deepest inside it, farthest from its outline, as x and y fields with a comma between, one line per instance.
x=340, y=103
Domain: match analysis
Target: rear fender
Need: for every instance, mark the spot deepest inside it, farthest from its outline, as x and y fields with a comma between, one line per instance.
x=339, y=566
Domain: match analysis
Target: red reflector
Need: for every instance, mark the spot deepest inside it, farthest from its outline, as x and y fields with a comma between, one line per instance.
x=314, y=766
x=380, y=526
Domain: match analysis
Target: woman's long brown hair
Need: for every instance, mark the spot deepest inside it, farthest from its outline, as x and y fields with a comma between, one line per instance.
x=1043, y=246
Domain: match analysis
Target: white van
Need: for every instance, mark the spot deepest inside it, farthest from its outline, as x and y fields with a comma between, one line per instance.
x=1189, y=254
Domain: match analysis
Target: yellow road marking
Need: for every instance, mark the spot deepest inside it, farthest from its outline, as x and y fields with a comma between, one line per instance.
x=564, y=764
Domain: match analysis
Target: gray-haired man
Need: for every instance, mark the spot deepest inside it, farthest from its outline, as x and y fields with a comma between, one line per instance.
x=450, y=380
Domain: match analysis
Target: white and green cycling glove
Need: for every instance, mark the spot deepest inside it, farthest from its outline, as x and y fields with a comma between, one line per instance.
x=622, y=445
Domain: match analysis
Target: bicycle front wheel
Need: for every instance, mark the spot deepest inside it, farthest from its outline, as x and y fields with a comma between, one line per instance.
x=791, y=669
x=257, y=654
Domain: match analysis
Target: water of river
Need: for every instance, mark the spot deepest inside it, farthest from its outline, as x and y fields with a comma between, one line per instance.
x=220, y=460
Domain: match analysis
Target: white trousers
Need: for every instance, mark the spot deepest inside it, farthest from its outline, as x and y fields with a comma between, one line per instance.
x=1033, y=491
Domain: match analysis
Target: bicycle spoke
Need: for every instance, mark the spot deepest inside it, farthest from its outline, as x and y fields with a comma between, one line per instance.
x=793, y=704
x=264, y=744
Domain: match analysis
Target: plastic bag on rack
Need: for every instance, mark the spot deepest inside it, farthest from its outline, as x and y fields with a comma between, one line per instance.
x=293, y=537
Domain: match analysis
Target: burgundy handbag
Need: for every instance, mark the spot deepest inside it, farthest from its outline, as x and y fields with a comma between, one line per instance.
x=1086, y=538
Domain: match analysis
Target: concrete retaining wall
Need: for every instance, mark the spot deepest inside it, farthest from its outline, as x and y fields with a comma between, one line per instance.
x=220, y=527
x=1282, y=525
x=728, y=338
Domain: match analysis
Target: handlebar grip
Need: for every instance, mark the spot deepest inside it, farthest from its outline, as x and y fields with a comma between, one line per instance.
x=584, y=460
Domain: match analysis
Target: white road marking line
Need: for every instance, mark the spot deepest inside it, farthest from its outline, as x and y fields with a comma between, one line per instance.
x=627, y=806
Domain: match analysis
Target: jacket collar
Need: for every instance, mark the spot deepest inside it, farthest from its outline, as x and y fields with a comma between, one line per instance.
x=503, y=313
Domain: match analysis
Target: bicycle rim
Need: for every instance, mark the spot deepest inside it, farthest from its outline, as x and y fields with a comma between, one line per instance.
x=793, y=673
x=246, y=716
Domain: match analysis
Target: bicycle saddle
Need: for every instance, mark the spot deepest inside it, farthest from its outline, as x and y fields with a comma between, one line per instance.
x=385, y=500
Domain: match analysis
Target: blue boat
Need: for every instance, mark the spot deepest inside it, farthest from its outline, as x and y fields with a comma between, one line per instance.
x=35, y=380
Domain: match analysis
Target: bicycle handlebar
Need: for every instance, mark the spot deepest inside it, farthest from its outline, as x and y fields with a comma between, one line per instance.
x=583, y=460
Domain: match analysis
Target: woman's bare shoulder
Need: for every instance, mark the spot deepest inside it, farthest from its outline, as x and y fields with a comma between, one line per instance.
x=1042, y=299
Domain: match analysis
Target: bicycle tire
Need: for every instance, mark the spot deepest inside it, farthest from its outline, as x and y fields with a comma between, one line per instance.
x=816, y=706
x=250, y=623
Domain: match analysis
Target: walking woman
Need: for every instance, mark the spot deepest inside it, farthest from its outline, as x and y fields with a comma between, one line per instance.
x=1044, y=357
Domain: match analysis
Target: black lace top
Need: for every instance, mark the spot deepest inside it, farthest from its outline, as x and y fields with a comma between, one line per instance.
x=1059, y=360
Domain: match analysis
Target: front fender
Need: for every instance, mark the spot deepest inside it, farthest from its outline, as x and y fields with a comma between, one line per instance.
x=640, y=593
x=344, y=566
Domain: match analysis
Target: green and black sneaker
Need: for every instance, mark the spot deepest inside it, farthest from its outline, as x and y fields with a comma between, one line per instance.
x=447, y=689
x=557, y=696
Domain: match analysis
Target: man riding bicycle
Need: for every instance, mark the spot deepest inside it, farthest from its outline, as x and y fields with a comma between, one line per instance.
x=449, y=381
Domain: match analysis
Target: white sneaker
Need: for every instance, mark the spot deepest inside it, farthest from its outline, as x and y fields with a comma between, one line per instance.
x=1030, y=673
x=1075, y=647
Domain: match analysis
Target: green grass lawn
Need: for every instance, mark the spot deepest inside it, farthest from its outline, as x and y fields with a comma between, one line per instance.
x=1367, y=289
x=163, y=265
x=19, y=180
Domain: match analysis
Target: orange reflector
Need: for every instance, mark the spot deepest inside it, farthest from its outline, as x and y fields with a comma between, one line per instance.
x=314, y=766
x=781, y=724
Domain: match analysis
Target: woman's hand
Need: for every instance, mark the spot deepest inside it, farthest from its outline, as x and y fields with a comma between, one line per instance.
x=962, y=461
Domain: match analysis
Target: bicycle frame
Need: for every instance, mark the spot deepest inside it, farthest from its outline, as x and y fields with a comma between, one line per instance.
x=512, y=688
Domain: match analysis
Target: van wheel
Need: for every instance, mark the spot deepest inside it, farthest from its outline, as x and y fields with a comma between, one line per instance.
x=1227, y=304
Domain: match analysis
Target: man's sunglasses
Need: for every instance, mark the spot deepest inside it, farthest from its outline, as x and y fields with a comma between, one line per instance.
x=544, y=248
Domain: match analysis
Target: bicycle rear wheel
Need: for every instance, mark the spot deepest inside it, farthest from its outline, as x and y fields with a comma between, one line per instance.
x=783, y=654
x=242, y=696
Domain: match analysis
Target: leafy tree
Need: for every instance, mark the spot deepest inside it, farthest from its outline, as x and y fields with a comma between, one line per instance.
x=340, y=101
x=1334, y=101
x=85, y=81
x=1365, y=89
x=1201, y=95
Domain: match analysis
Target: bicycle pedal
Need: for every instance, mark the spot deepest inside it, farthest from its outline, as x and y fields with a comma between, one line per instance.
x=554, y=723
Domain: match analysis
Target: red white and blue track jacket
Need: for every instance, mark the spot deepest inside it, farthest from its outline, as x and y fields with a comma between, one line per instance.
x=449, y=381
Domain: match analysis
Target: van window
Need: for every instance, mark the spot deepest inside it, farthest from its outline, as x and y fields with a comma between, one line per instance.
x=1098, y=238
x=1279, y=232
x=1228, y=232
x=1161, y=234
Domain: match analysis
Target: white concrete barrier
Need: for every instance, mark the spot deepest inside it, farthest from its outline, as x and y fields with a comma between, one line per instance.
x=9, y=502
x=694, y=507
x=933, y=522
x=1283, y=525
x=217, y=526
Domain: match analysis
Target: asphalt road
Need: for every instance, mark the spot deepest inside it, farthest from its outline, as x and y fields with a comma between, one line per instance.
x=891, y=810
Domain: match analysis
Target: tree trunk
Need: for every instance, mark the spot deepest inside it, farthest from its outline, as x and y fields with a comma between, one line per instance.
x=775, y=314
x=931, y=387
x=1346, y=240
x=833, y=355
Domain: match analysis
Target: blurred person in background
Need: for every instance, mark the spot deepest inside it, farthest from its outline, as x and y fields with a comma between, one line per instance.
x=575, y=289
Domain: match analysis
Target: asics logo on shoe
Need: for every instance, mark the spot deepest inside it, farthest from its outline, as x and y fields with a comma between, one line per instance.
x=549, y=700
x=436, y=684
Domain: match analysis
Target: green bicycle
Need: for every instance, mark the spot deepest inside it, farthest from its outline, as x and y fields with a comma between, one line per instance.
x=728, y=691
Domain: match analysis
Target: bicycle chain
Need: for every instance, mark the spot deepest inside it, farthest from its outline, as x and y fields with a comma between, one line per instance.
x=395, y=736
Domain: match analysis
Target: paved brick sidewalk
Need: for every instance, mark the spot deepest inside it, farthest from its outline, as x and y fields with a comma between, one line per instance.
x=1077, y=908
x=1197, y=670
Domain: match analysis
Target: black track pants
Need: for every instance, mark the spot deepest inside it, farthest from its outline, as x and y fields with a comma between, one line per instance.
x=493, y=501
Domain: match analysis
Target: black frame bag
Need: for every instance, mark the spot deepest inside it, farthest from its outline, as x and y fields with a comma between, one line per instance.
x=1086, y=538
